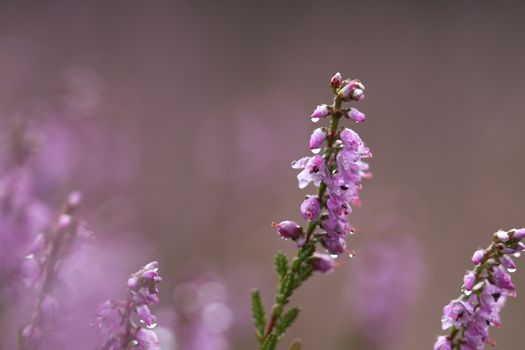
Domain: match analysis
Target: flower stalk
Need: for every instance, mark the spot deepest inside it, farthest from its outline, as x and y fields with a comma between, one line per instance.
x=336, y=168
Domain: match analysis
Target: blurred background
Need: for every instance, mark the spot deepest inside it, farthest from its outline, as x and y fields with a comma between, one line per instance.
x=179, y=119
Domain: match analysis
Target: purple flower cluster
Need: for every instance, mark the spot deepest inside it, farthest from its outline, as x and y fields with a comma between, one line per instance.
x=336, y=168
x=129, y=323
x=485, y=290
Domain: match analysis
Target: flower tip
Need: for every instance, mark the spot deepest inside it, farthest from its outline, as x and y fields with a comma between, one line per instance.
x=519, y=233
x=335, y=82
x=74, y=199
x=478, y=256
x=64, y=221
x=321, y=111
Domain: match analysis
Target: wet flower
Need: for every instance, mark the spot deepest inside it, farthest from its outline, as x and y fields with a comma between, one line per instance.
x=317, y=139
x=336, y=80
x=356, y=116
x=336, y=169
x=314, y=170
x=288, y=229
x=117, y=319
x=321, y=111
x=442, y=343
x=485, y=292
x=311, y=208
x=322, y=263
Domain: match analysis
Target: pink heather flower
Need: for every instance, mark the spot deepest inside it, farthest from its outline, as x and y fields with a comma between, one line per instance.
x=502, y=235
x=473, y=313
x=508, y=263
x=115, y=316
x=42, y=271
x=442, y=343
x=456, y=314
x=321, y=111
x=519, y=233
x=314, y=170
x=322, y=263
x=356, y=115
x=478, y=256
x=289, y=229
x=333, y=244
x=147, y=339
x=311, y=208
x=469, y=280
x=317, y=139
x=352, y=90
x=336, y=80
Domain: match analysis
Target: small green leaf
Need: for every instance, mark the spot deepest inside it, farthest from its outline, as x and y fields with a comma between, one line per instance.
x=281, y=265
x=305, y=273
x=270, y=343
x=259, y=319
x=286, y=321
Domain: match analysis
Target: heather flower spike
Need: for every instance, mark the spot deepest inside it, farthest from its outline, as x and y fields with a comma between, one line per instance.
x=128, y=323
x=336, y=169
x=485, y=290
x=42, y=271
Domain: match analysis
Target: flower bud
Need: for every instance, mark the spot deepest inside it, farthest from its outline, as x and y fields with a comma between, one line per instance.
x=74, y=199
x=334, y=245
x=321, y=111
x=147, y=339
x=353, y=90
x=356, y=116
x=317, y=139
x=469, y=280
x=289, y=229
x=335, y=82
x=311, y=208
x=478, y=256
x=146, y=317
x=64, y=222
x=508, y=263
x=502, y=235
x=520, y=233
x=322, y=263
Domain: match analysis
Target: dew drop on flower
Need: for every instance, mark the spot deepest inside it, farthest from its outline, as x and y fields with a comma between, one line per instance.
x=315, y=120
x=511, y=270
x=151, y=325
x=517, y=255
x=352, y=255
x=316, y=150
x=334, y=256
x=466, y=292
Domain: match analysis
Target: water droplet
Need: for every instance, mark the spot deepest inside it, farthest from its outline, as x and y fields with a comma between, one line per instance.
x=466, y=292
x=517, y=254
x=352, y=254
x=151, y=325
x=316, y=150
x=30, y=256
x=315, y=120
x=334, y=256
x=511, y=270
